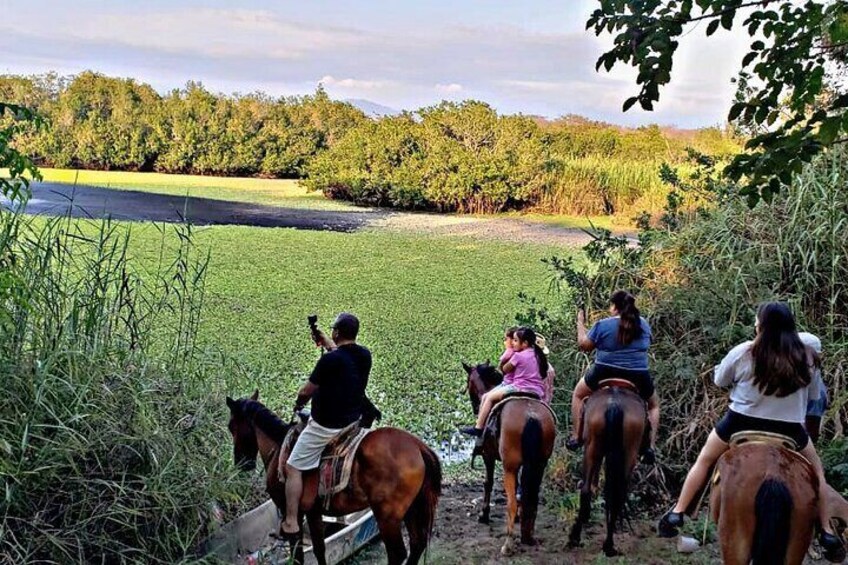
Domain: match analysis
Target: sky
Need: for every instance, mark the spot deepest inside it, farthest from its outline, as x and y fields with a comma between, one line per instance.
x=531, y=57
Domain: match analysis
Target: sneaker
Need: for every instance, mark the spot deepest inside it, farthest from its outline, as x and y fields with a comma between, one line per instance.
x=669, y=524
x=471, y=431
x=834, y=550
x=573, y=444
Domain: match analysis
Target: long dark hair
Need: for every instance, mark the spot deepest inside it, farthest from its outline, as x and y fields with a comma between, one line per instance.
x=630, y=321
x=527, y=335
x=780, y=357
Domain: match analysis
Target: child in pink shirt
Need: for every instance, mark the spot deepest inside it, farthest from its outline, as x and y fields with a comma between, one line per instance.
x=527, y=367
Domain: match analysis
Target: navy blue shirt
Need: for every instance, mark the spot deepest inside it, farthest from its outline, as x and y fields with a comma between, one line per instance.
x=633, y=356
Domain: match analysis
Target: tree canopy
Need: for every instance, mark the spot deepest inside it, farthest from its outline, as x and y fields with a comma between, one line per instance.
x=794, y=96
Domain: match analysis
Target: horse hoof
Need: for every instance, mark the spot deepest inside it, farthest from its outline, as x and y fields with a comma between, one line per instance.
x=529, y=541
x=612, y=552
x=574, y=543
x=483, y=519
x=507, y=548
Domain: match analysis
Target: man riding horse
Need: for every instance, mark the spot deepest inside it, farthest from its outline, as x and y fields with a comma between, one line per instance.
x=337, y=391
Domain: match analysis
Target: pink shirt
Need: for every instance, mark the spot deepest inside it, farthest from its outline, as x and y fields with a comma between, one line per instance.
x=526, y=377
x=507, y=355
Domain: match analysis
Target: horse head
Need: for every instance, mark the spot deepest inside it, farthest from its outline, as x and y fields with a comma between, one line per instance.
x=480, y=380
x=245, y=443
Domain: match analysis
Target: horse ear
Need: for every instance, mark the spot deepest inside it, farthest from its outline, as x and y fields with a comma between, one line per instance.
x=468, y=368
x=231, y=403
x=255, y=395
x=487, y=363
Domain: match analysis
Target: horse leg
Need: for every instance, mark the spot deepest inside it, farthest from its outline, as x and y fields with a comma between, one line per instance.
x=315, y=521
x=510, y=486
x=590, y=471
x=418, y=533
x=390, y=531
x=487, y=489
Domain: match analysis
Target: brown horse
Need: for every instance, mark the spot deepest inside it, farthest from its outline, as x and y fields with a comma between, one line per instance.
x=525, y=443
x=614, y=426
x=765, y=501
x=394, y=473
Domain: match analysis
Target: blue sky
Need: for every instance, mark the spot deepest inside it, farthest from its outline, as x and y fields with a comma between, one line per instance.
x=532, y=57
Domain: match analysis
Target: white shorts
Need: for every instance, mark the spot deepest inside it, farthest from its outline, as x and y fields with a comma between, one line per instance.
x=307, y=450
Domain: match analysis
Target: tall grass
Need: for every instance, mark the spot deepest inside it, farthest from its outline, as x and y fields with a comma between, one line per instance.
x=109, y=440
x=597, y=185
x=699, y=281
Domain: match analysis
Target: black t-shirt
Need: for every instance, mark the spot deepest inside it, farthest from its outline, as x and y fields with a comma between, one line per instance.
x=341, y=376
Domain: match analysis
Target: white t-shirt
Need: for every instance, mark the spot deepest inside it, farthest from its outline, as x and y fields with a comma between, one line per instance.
x=737, y=370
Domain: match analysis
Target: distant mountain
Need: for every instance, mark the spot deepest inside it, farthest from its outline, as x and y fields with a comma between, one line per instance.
x=372, y=108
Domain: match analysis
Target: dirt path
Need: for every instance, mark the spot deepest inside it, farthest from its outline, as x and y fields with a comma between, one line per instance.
x=460, y=539
x=57, y=199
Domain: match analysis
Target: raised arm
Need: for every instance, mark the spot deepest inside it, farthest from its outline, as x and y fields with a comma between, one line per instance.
x=583, y=341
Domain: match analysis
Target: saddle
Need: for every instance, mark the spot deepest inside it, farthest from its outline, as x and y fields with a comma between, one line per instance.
x=336, y=461
x=619, y=383
x=747, y=438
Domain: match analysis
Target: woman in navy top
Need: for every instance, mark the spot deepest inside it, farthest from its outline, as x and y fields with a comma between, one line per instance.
x=621, y=346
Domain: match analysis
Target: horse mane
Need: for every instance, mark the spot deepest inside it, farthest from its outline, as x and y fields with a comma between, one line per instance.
x=264, y=419
x=489, y=375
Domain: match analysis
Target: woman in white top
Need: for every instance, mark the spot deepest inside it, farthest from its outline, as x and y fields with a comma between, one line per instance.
x=772, y=380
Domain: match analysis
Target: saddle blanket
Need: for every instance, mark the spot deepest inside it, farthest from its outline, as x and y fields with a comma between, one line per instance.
x=336, y=461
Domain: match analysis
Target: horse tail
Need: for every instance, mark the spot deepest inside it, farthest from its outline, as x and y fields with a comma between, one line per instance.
x=424, y=505
x=615, y=472
x=532, y=469
x=773, y=511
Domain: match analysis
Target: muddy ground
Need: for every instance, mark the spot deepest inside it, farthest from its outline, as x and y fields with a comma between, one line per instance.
x=57, y=199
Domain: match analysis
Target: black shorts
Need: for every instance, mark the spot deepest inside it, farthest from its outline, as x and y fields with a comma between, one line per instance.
x=642, y=380
x=733, y=422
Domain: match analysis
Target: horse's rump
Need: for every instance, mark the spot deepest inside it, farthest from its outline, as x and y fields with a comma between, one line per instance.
x=762, y=492
x=511, y=408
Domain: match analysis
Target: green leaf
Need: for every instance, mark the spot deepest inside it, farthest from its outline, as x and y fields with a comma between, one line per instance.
x=749, y=58
x=829, y=130
x=711, y=29
x=736, y=111
x=629, y=103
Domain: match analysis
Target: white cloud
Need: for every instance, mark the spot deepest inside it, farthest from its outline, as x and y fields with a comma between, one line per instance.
x=451, y=88
x=329, y=80
x=516, y=68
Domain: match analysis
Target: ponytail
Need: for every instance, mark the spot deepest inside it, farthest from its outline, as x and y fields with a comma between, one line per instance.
x=527, y=335
x=630, y=321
